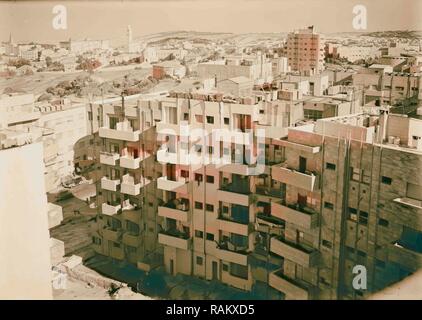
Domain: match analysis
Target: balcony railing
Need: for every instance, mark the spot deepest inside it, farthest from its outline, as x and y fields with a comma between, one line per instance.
x=123, y=131
x=130, y=162
x=173, y=210
x=109, y=184
x=230, y=253
x=109, y=158
x=299, y=215
x=110, y=208
x=305, y=180
x=398, y=253
x=130, y=239
x=299, y=254
x=179, y=185
x=293, y=289
x=232, y=225
x=174, y=238
x=268, y=191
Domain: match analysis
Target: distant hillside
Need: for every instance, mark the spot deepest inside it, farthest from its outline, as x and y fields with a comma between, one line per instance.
x=407, y=34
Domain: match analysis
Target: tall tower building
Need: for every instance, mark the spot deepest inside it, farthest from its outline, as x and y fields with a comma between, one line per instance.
x=129, y=37
x=305, y=51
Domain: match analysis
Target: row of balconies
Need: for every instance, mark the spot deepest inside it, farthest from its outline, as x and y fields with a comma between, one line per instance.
x=127, y=238
x=128, y=162
x=122, y=132
x=127, y=185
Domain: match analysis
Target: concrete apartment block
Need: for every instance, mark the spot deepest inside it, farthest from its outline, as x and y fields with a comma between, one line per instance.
x=321, y=204
x=24, y=251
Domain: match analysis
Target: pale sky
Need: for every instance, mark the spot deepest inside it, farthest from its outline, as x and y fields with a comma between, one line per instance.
x=32, y=20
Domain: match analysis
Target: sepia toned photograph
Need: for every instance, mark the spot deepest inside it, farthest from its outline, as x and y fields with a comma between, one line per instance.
x=211, y=150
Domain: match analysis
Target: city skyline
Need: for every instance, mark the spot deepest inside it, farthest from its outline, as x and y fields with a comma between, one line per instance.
x=147, y=17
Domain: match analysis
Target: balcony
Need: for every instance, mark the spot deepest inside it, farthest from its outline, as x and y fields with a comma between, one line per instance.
x=164, y=156
x=130, y=162
x=294, y=252
x=167, y=128
x=234, y=194
x=298, y=146
x=179, y=185
x=304, y=180
x=404, y=256
x=173, y=238
x=239, y=257
x=123, y=132
x=233, y=226
x=109, y=158
x=112, y=234
x=110, y=209
x=109, y=184
x=300, y=216
x=293, y=289
x=268, y=191
x=129, y=186
x=175, y=211
x=410, y=203
x=130, y=239
x=238, y=137
x=243, y=169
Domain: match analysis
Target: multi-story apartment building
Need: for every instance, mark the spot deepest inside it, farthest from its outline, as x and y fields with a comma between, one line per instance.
x=382, y=86
x=197, y=216
x=127, y=199
x=222, y=189
x=352, y=196
x=305, y=51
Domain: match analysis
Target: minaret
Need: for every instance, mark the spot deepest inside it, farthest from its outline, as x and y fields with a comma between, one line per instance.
x=129, y=38
x=11, y=39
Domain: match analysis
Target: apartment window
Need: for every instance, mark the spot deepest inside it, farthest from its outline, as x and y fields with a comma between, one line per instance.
x=225, y=267
x=198, y=205
x=209, y=207
x=198, y=177
x=210, y=236
x=363, y=218
x=330, y=166
x=210, y=179
x=116, y=245
x=184, y=174
x=383, y=222
x=199, y=260
x=226, y=121
x=327, y=244
x=89, y=115
x=199, y=234
x=96, y=241
x=353, y=214
x=186, y=116
x=239, y=271
x=210, y=150
x=386, y=180
x=113, y=122
x=210, y=119
x=328, y=205
x=225, y=209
